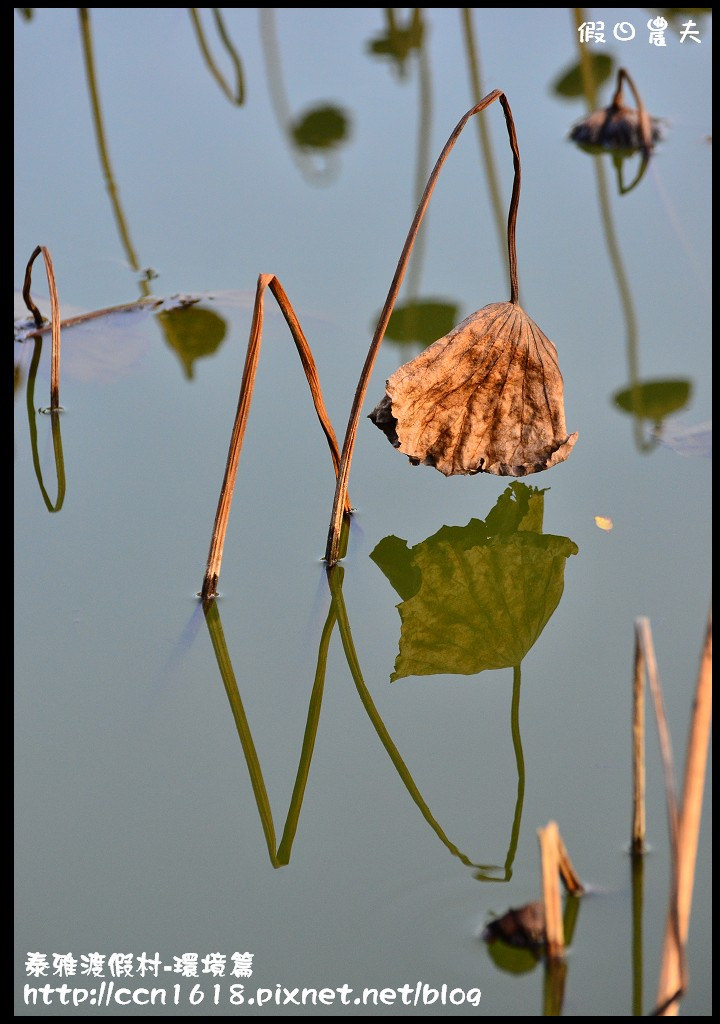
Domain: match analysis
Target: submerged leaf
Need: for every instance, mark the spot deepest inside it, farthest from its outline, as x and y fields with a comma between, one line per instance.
x=486, y=398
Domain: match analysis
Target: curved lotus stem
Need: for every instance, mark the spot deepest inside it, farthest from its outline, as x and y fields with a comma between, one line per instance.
x=333, y=541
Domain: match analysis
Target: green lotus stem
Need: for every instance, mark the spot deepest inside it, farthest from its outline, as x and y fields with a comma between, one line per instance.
x=56, y=436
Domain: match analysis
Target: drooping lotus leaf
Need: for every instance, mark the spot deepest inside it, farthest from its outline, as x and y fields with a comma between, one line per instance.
x=485, y=398
x=476, y=597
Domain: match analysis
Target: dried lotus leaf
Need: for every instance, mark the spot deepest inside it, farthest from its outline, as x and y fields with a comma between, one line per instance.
x=486, y=398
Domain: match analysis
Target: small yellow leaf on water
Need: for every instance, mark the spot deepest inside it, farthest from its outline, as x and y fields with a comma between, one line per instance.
x=604, y=522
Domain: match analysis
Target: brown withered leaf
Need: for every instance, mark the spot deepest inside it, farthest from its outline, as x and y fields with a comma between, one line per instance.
x=486, y=398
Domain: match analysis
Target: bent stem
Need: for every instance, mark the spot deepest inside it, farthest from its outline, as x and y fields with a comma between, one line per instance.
x=55, y=319
x=340, y=500
x=643, y=115
x=548, y=839
x=279, y=855
x=335, y=582
x=237, y=98
x=217, y=543
x=103, y=150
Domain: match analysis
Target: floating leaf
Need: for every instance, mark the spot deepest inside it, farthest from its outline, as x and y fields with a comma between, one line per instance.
x=486, y=398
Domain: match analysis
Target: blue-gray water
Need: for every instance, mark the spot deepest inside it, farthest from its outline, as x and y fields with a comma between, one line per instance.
x=137, y=827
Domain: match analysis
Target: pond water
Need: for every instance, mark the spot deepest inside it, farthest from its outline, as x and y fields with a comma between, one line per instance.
x=346, y=781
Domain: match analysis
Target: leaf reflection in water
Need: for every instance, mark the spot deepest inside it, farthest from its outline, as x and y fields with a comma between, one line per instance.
x=476, y=597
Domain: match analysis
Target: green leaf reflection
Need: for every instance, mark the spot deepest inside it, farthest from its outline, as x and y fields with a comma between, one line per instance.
x=482, y=593
x=570, y=84
x=397, y=41
x=422, y=320
x=323, y=127
x=193, y=333
x=654, y=399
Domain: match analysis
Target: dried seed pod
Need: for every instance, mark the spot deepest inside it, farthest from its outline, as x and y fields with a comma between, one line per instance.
x=486, y=398
x=619, y=127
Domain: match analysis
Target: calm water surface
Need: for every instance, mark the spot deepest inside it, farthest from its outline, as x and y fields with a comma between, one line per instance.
x=159, y=752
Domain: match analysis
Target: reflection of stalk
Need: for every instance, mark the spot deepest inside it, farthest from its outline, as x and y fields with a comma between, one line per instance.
x=423, y=165
x=483, y=131
x=278, y=97
x=279, y=856
x=556, y=970
x=335, y=580
x=613, y=247
x=238, y=96
x=103, y=149
x=637, y=868
x=520, y=765
x=57, y=439
x=271, y=49
x=55, y=324
x=554, y=987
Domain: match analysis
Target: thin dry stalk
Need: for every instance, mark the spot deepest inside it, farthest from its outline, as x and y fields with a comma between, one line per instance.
x=671, y=979
x=54, y=316
x=643, y=116
x=644, y=639
x=82, y=318
x=548, y=838
x=569, y=876
x=217, y=543
x=638, y=763
x=340, y=500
